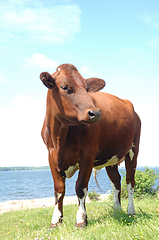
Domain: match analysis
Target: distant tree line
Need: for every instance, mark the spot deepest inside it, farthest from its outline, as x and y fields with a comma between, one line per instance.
x=23, y=168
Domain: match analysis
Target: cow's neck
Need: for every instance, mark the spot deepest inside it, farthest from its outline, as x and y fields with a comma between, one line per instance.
x=67, y=146
x=60, y=133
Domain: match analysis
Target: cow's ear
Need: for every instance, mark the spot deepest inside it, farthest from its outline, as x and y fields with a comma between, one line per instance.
x=95, y=84
x=47, y=80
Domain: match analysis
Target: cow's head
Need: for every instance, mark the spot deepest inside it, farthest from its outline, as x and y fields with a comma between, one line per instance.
x=72, y=103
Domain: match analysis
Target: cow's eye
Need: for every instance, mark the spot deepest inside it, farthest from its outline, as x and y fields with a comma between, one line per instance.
x=64, y=87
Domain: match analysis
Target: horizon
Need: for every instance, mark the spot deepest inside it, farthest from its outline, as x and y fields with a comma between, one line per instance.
x=77, y=170
x=115, y=41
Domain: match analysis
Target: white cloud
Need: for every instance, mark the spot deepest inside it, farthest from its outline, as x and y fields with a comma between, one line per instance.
x=154, y=43
x=151, y=19
x=23, y=22
x=86, y=72
x=20, y=127
x=41, y=60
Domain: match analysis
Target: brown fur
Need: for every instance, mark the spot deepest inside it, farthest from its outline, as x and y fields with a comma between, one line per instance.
x=71, y=136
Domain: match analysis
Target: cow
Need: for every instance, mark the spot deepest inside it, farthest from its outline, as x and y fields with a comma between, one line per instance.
x=86, y=129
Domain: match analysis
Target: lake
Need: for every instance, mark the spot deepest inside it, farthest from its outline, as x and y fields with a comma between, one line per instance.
x=20, y=185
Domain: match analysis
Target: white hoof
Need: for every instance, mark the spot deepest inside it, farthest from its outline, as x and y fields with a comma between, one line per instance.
x=131, y=209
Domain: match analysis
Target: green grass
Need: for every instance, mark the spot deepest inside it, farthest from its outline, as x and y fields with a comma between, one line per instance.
x=103, y=222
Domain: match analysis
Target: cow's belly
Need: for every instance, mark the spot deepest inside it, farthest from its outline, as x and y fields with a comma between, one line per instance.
x=98, y=164
x=114, y=160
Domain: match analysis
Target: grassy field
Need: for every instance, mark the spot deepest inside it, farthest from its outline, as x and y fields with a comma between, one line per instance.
x=103, y=222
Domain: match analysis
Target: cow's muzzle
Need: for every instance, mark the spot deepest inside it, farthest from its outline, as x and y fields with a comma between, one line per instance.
x=89, y=116
x=94, y=115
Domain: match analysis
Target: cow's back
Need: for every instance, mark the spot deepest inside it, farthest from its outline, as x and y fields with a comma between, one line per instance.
x=118, y=125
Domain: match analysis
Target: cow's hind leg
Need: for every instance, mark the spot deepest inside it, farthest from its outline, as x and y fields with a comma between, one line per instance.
x=130, y=164
x=59, y=191
x=115, y=179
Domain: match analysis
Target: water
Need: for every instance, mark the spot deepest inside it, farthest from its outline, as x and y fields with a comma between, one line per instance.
x=20, y=185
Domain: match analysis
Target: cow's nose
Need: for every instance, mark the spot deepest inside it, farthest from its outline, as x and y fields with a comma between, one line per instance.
x=94, y=115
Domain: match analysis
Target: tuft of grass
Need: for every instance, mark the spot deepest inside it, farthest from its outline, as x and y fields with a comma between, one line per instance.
x=93, y=196
x=103, y=222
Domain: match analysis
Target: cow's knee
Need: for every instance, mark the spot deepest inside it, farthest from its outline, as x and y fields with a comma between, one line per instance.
x=80, y=192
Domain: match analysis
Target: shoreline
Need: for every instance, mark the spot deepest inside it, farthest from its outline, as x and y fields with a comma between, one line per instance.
x=16, y=205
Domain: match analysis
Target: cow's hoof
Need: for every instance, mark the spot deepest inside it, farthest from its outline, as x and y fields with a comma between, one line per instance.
x=131, y=210
x=54, y=225
x=81, y=225
x=131, y=214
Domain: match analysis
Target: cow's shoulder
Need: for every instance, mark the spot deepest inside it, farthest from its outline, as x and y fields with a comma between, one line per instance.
x=105, y=101
x=46, y=135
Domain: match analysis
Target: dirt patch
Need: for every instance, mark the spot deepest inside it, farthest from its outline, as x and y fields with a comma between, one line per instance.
x=16, y=205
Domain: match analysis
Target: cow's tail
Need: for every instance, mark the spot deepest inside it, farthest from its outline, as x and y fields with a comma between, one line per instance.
x=95, y=175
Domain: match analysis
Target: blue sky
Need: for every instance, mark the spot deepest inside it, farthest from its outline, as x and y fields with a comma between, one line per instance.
x=114, y=40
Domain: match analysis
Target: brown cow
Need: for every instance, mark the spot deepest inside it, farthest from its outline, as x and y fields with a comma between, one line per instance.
x=85, y=129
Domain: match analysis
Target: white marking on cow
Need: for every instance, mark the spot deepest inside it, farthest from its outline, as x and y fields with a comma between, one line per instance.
x=71, y=170
x=81, y=213
x=58, y=69
x=113, y=161
x=131, y=208
x=116, y=196
x=131, y=154
x=56, y=215
x=58, y=196
x=121, y=160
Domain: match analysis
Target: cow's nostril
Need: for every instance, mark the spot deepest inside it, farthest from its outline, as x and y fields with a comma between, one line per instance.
x=91, y=114
x=94, y=115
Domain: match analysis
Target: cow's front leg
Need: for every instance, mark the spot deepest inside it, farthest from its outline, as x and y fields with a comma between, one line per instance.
x=81, y=191
x=57, y=216
x=81, y=217
x=59, y=191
